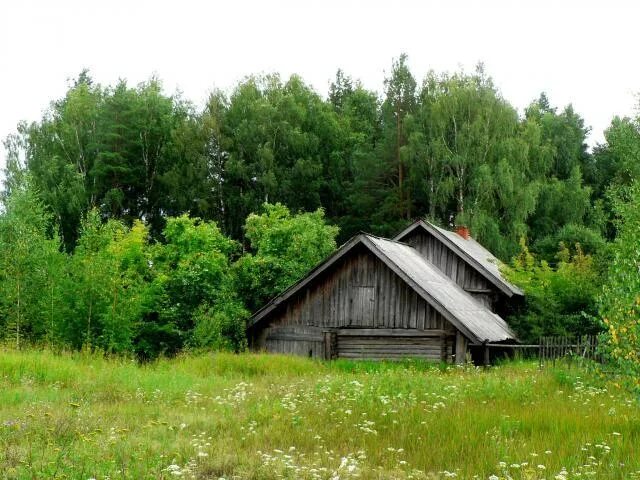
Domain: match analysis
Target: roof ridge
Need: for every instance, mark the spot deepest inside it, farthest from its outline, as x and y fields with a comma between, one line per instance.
x=421, y=275
x=390, y=240
x=469, y=252
x=453, y=286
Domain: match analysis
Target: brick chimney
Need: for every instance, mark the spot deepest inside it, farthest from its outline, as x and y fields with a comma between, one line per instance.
x=463, y=231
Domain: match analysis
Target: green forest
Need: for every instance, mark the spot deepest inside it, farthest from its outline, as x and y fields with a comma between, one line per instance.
x=137, y=222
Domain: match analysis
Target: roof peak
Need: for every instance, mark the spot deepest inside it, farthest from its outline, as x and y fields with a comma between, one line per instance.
x=469, y=316
x=469, y=249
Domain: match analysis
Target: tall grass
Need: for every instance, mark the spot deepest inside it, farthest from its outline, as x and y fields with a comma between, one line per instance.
x=266, y=416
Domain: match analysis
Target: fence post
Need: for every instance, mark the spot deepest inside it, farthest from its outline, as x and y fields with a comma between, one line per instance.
x=540, y=352
x=487, y=357
x=567, y=348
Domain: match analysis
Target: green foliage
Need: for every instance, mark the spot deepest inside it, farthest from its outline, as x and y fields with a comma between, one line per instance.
x=570, y=235
x=117, y=149
x=222, y=327
x=561, y=203
x=196, y=284
x=615, y=167
x=278, y=141
x=284, y=247
x=616, y=162
x=119, y=293
x=448, y=147
x=30, y=263
x=560, y=300
x=106, y=287
x=620, y=300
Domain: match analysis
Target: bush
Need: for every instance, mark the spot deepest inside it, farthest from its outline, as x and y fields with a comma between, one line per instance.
x=620, y=300
x=590, y=241
x=558, y=301
x=221, y=328
x=284, y=247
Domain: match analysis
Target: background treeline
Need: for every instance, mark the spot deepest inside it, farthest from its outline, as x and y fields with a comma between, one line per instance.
x=122, y=292
x=144, y=201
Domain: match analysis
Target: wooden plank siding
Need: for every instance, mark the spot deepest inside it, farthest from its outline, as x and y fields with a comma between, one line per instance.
x=454, y=267
x=394, y=343
x=359, y=292
x=299, y=340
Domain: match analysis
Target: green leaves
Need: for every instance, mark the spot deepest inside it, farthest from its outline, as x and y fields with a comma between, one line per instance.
x=194, y=275
x=284, y=247
x=281, y=143
x=105, y=286
x=450, y=148
x=560, y=299
x=29, y=262
x=111, y=148
x=620, y=299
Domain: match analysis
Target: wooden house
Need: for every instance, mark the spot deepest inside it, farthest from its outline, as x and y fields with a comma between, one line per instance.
x=376, y=299
x=465, y=261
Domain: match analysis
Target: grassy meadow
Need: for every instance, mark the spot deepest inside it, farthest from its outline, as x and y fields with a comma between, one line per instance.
x=81, y=416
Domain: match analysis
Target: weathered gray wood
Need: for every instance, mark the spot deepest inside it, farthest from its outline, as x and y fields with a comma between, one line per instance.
x=369, y=356
x=478, y=290
x=295, y=337
x=389, y=332
x=455, y=266
x=487, y=357
x=355, y=285
x=389, y=342
x=379, y=346
x=461, y=348
x=326, y=338
x=388, y=353
x=368, y=290
x=423, y=235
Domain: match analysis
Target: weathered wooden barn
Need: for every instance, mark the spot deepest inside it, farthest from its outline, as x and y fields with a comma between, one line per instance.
x=383, y=299
x=460, y=257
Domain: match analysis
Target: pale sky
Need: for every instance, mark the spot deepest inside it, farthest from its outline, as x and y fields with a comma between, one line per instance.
x=579, y=52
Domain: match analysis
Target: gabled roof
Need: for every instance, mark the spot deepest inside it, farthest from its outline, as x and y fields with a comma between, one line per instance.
x=469, y=316
x=478, y=257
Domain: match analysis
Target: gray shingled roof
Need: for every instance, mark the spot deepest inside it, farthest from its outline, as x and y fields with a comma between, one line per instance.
x=471, y=251
x=439, y=290
x=472, y=318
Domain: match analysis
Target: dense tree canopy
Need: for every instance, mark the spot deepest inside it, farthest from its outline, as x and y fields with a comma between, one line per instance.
x=450, y=148
x=170, y=223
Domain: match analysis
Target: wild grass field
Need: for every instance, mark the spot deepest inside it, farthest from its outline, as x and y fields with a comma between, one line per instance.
x=81, y=416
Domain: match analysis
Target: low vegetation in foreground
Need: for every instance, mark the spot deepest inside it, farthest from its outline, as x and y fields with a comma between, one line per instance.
x=253, y=416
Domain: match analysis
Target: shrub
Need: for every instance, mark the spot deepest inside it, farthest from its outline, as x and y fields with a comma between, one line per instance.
x=284, y=247
x=558, y=301
x=620, y=300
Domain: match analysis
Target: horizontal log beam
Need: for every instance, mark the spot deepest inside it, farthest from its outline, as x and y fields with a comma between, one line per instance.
x=435, y=358
x=392, y=332
x=295, y=337
x=503, y=345
x=392, y=343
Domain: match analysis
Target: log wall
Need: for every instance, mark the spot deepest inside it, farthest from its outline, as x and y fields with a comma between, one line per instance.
x=361, y=295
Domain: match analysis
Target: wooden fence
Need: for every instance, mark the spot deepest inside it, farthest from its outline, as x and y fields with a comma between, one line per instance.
x=551, y=349
x=554, y=348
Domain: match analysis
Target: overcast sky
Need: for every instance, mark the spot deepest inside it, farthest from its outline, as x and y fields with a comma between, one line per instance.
x=578, y=52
